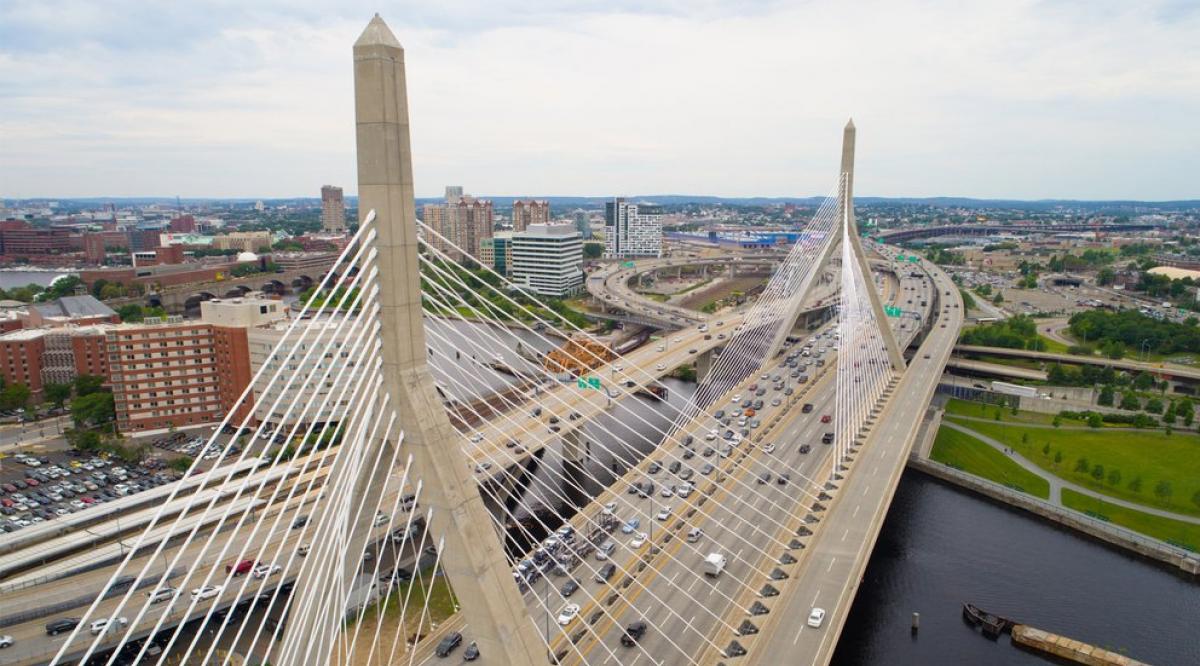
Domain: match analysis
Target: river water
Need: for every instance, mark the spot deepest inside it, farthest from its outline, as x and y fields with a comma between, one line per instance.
x=942, y=546
x=14, y=279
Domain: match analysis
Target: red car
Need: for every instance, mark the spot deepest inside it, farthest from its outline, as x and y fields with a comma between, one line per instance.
x=32, y=483
x=826, y=418
x=243, y=567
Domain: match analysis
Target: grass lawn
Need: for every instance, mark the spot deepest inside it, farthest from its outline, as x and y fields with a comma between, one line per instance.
x=442, y=604
x=968, y=454
x=1175, y=532
x=1150, y=457
x=1053, y=346
x=957, y=407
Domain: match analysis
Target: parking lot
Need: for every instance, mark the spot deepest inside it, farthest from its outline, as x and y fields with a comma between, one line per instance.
x=37, y=488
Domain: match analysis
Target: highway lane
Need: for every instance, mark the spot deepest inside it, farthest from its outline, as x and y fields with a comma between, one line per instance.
x=834, y=562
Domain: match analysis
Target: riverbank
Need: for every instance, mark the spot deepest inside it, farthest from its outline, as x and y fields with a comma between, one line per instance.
x=1180, y=558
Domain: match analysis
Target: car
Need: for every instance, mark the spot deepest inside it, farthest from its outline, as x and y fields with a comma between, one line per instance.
x=783, y=479
x=805, y=448
x=300, y=522
x=6, y=641
x=605, y=550
x=826, y=418
x=243, y=567
x=827, y=438
x=100, y=626
x=706, y=469
x=667, y=491
x=471, y=653
x=448, y=644
x=633, y=633
x=639, y=540
x=816, y=617
x=605, y=573
x=568, y=614
x=161, y=594
x=769, y=448
x=765, y=477
x=264, y=570
x=926, y=356
x=631, y=526
x=570, y=587
x=206, y=592
x=664, y=514
x=61, y=625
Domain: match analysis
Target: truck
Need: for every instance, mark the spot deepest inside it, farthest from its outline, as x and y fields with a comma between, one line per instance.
x=714, y=564
x=1014, y=389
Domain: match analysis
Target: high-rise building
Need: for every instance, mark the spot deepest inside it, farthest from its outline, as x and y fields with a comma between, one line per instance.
x=632, y=230
x=270, y=346
x=333, y=209
x=496, y=252
x=463, y=220
x=527, y=213
x=548, y=259
x=166, y=374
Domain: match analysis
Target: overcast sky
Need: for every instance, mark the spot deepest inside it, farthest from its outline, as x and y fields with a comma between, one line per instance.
x=252, y=98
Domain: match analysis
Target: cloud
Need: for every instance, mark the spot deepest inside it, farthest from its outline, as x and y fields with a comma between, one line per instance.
x=221, y=98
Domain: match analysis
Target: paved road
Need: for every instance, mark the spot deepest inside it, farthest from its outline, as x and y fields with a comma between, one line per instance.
x=835, y=560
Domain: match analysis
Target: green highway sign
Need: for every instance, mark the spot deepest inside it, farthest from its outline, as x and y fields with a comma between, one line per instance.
x=627, y=264
x=912, y=259
x=892, y=311
x=588, y=383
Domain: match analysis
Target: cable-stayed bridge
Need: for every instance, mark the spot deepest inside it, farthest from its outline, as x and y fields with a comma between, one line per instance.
x=702, y=536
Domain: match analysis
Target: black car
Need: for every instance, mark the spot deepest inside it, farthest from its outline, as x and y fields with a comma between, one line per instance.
x=299, y=522
x=827, y=438
x=633, y=633
x=570, y=587
x=808, y=407
x=472, y=652
x=606, y=572
x=61, y=625
x=805, y=448
x=449, y=644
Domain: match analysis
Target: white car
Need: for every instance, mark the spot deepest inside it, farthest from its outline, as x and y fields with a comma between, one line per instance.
x=660, y=367
x=206, y=592
x=664, y=514
x=639, y=540
x=101, y=626
x=769, y=448
x=568, y=613
x=816, y=617
x=610, y=508
x=161, y=594
x=667, y=491
x=6, y=641
x=736, y=398
x=264, y=570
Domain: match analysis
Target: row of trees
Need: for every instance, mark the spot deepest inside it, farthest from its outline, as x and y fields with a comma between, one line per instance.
x=1019, y=332
x=1135, y=330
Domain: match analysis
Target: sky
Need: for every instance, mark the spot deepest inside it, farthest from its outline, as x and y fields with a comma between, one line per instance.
x=1014, y=99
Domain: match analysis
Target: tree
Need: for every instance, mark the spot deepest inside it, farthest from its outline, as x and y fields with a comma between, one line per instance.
x=93, y=409
x=1169, y=416
x=1045, y=449
x=1113, y=349
x=57, y=393
x=1136, y=484
x=181, y=464
x=87, y=384
x=1106, y=396
x=1082, y=465
x=1105, y=277
x=14, y=396
x=1163, y=490
x=1196, y=498
x=593, y=250
x=1144, y=381
x=1057, y=457
x=1114, y=477
x=1057, y=422
x=1094, y=420
x=998, y=298
x=1098, y=472
x=1129, y=401
x=1154, y=406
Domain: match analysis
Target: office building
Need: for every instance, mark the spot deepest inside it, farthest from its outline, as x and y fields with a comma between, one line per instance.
x=548, y=259
x=320, y=398
x=333, y=209
x=527, y=213
x=632, y=230
x=496, y=252
x=245, y=241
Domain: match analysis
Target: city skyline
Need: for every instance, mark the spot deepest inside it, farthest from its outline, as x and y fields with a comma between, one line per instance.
x=1011, y=102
